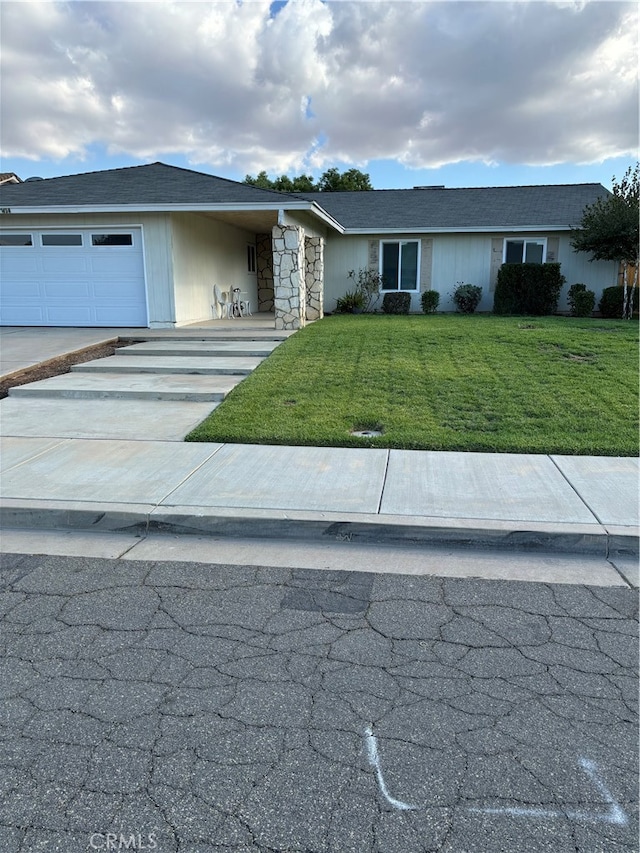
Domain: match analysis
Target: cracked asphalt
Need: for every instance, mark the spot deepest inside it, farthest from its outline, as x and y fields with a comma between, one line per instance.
x=195, y=708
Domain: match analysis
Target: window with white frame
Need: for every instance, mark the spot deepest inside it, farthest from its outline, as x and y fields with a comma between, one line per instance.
x=400, y=264
x=9, y=238
x=61, y=239
x=251, y=258
x=119, y=239
x=525, y=251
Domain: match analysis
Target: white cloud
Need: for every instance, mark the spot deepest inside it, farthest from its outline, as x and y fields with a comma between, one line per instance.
x=227, y=84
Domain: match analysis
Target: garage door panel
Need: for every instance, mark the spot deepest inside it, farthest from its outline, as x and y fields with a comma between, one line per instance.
x=122, y=316
x=67, y=265
x=116, y=290
x=15, y=292
x=69, y=315
x=17, y=262
x=22, y=315
x=124, y=264
x=83, y=285
x=67, y=290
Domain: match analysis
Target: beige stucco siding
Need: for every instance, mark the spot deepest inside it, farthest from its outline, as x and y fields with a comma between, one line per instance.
x=207, y=252
x=342, y=253
x=463, y=258
x=159, y=270
x=577, y=268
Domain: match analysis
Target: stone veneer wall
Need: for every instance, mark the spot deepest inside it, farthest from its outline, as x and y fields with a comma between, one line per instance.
x=314, y=277
x=264, y=269
x=289, y=288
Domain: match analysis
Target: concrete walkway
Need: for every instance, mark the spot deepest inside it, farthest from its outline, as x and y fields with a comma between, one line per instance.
x=120, y=465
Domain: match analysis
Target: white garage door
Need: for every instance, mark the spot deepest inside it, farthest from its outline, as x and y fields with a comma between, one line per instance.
x=72, y=277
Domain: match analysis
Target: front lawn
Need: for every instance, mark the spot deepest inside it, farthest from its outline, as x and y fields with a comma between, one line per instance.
x=443, y=382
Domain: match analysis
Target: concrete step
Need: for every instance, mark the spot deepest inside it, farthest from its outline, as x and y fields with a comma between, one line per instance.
x=149, y=386
x=200, y=348
x=186, y=365
x=228, y=334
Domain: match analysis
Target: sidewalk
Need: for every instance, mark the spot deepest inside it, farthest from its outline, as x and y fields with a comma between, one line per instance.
x=55, y=475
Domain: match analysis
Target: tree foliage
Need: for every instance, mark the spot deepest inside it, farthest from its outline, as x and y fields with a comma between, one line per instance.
x=610, y=230
x=353, y=180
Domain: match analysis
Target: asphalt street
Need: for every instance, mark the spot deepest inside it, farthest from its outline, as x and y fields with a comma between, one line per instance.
x=196, y=708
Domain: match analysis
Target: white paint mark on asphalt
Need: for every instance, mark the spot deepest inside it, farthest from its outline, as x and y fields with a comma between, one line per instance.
x=374, y=761
x=614, y=815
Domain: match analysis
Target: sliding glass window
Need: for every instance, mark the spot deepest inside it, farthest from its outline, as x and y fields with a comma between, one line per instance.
x=399, y=264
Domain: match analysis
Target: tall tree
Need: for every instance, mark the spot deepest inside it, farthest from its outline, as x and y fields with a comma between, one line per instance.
x=353, y=180
x=610, y=231
x=261, y=180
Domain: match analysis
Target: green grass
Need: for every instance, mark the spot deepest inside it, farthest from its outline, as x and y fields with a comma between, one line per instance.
x=444, y=382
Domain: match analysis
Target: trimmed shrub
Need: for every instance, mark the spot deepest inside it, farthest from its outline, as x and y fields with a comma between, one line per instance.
x=612, y=301
x=397, y=302
x=429, y=301
x=581, y=301
x=584, y=303
x=528, y=289
x=467, y=297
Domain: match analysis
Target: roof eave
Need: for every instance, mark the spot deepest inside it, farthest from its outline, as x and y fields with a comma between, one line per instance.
x=321, y=213
x=227, y=207
x=467, y=229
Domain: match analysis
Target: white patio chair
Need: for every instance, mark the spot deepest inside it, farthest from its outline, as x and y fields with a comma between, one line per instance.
x=221, y=303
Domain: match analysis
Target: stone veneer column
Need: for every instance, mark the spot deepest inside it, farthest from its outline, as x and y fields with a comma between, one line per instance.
x=314, y=277
x=288, y=276
x=264, y=270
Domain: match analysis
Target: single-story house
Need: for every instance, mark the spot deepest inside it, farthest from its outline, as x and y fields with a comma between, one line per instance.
x=143, y=246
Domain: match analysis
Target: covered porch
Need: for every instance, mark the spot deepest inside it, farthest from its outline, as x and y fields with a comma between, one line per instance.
x=289, y=267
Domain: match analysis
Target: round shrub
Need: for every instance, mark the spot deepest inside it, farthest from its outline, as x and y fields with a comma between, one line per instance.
x=429, y=301
x=396, y=302
x=612, y=302
x=584, y=303
x=581, y=300
x=467, y=297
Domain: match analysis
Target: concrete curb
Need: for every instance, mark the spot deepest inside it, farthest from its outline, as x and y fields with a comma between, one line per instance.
x=231, y=522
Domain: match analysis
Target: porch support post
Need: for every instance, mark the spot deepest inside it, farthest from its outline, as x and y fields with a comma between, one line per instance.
x=314, y=276
x=264, y=259
x=289, y=291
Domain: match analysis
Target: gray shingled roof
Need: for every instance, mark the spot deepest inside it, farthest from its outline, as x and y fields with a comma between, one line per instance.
x=155, y=183
x=476, y=207
x=374, y=210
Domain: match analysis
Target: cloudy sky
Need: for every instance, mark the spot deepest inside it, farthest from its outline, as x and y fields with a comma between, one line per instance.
x=455, y=93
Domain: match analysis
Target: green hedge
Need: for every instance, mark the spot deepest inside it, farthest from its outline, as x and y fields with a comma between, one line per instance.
x=528, y=289
x=612, y=301
x=397, y=302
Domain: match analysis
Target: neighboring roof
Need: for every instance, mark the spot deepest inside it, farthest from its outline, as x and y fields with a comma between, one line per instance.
x=153, y=184
x=161, y=187
x=9, y=178
x=469, y=209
